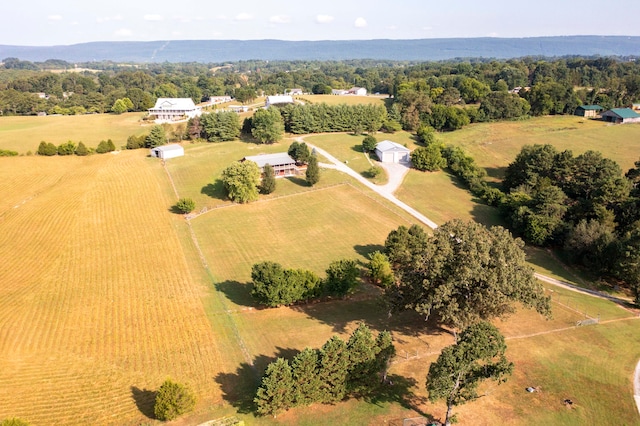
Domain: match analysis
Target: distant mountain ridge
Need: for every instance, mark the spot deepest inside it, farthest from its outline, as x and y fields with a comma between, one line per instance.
x=217, y=51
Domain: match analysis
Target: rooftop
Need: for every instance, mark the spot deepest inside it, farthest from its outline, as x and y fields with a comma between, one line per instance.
x=625, y=113
x=175, y=103
x=388, y=146
x=279, y=158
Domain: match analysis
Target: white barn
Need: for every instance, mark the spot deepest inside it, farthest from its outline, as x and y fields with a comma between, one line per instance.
x=174, y=109
x=167, y=151
x=392, y=152
x=279, y=99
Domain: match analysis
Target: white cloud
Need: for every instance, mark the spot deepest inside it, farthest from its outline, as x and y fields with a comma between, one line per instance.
x=392, y=27
x=324, y=19
x=101, y=19
x=360, y=23
x=153, y=18
x=280, y=19
x=54, y=18
x=243, y=17
x=123, y=32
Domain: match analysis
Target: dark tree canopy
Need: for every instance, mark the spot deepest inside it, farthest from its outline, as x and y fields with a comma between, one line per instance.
x=241, y=181
x=268, y=184
x=312, y=175
x=463, y=274
x=268, y=126
x=428, y=159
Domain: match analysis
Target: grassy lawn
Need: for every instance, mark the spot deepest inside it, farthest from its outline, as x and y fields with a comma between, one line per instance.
x=24, y=134
x=339, y=100
x=495, y=145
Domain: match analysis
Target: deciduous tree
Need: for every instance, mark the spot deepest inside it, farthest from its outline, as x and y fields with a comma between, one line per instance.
x=478, y=355
x=241, y=180
x=462, y=274
x=268, y=184
x=172, y=400
x=268, y=126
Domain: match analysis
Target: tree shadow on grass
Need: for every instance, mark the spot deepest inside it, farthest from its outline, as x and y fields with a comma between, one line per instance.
x=175, y=210
x=357, y=148
x=371, y=310
x=365, y=251
x=145, y=400
x=496, y=172
x=215, y=190
x=398, y=389
x=298, y=181
x=239, y=388
x=237, y=292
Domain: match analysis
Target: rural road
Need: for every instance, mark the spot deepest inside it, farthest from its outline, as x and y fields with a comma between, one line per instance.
x=397, y=173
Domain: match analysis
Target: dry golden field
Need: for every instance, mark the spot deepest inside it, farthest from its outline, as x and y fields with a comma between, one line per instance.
x=98, y=300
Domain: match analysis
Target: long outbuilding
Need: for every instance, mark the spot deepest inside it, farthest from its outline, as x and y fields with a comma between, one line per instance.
x=621, y=116
x=282, y=163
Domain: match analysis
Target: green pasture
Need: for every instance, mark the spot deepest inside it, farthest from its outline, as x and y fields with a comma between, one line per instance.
x=24, y=134
x=495, y=145
x=339, y=100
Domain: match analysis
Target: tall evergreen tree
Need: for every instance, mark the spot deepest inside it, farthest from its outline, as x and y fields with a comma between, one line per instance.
x=156, y=137
x=334, y=365
x=306, y=377
x=275, y=393
x=268, y=184
x=313, y=171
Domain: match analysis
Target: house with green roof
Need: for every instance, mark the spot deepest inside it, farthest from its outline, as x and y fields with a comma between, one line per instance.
x=621, y=116
x=588, y=111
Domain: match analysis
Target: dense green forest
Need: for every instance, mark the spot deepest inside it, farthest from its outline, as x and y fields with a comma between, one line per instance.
x=422, y=92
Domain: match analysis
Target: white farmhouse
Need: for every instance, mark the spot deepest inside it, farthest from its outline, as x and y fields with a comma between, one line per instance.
x=167, y=151
x=392, y=152
x=174, y=109
x=358, y=91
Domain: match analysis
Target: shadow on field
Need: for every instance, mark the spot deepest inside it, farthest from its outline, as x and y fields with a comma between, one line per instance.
x=487, y=215
x=496, y=172
x=237, y=292
x=215, y=190
x=365, y=251
x=398, y=389
x=357, y=148
x=239, y=388
x=341, y=314
x=145, y=399
x=298, y=181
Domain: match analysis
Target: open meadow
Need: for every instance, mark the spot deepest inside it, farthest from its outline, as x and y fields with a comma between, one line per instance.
x=23, y=134
x=105, y=292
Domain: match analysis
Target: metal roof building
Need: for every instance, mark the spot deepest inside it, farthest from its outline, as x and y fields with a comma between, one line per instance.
x=621, y=116
x=392, y=152
x=282, y=163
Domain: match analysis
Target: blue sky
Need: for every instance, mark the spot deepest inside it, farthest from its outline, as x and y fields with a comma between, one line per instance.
x=61, y=22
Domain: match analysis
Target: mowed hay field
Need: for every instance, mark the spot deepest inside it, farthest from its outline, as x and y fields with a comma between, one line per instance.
x=23, y=134
x=339, y=100
x=99, y=301
x=495, y=145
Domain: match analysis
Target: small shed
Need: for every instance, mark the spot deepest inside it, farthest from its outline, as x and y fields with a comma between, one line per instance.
x=167, y=151
x=621, y=116
x=588, y=111
x=392, y=152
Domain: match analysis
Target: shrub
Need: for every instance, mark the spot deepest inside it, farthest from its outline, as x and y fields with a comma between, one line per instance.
x=373, y=171
x=185, y=205
x=47, y=149
x=369, y=143
x=82, y=150
x=67, y=148
x=9, y=153
x=172, y=400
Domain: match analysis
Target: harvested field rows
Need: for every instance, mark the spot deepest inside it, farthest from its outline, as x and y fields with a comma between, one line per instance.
x=97, y=301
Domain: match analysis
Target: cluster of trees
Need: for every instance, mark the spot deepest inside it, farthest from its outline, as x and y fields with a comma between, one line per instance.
x=328, y=375
x=583, y=204
x=422, y=92
x=8, y=153
x=70, y=148
x=275, y=286
x=319, y=118
x=215, y=127
x=460, y=275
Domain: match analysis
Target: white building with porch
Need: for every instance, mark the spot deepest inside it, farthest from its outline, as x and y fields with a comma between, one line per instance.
x=174, y=109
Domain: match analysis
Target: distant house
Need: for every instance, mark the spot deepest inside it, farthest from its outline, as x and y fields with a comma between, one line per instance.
x=278, y=100
x=358, y=91
x=339, y=92
x=635, y=106
x=167, y=151
x=621, y=116
x=294, y=92
x=174, y=109
x=282, y=163
x=238, y=108
x=588, y=111
x=214, y=100
x=392, y=152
